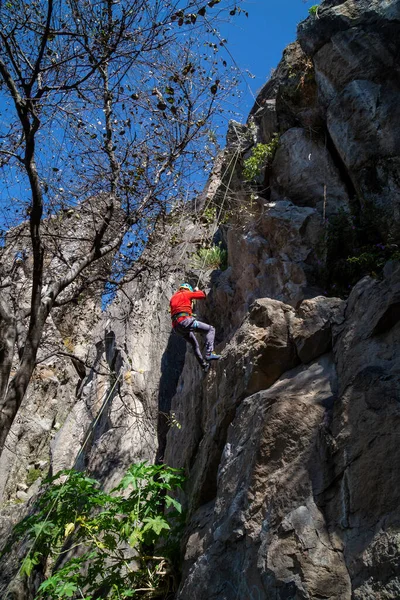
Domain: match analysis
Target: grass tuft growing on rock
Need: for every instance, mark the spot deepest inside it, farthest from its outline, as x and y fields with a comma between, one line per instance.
x=210, y=258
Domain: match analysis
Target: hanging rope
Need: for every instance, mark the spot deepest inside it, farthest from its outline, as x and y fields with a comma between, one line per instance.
x=234, y=159
x=218, y=216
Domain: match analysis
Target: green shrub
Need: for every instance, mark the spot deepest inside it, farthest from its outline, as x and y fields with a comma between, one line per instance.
x=354, y=248
x=210, y=258
x=209, y=215
x=32, y=476
x=260, y=155
x=313, y=10
x=112, y=534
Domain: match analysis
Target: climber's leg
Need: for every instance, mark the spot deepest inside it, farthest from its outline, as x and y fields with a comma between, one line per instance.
x=210, y=337
x=185, y=329
x=196, y=348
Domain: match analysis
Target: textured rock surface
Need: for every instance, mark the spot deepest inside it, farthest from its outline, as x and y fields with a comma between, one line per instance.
x=354, y=45
x=290, y=443
x=264, y=513
x=106, y=417
x=302, y=168
x=290, y=490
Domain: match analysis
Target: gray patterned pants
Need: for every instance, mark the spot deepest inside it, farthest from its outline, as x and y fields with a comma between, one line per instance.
x=186, y=329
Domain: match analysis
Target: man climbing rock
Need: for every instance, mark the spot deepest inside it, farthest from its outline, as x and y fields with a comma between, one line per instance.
x=185, y=324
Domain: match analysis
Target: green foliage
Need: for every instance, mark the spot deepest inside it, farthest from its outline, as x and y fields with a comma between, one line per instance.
x=313, y=10
x=209, y=214
x=100, y=543
x=354, y=248
x=260, y=155
x=210, y=258
x=32, y=475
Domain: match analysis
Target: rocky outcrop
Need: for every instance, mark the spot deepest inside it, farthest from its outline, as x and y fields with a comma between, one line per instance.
x=289, y=443
x=354, y=51
x=291, y=489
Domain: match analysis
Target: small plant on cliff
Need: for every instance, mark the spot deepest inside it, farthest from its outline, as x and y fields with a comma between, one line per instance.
x=260, y=155
x=209, y=215
x=354, y=248
x=210, y=258
x=100, y=544
x=32, y=476
x=313, y=10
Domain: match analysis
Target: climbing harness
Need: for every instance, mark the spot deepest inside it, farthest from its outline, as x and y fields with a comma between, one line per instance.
x=181, y=314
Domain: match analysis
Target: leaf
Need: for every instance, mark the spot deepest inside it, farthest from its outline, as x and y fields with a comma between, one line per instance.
x=161, y=106
x=172, y=502
x=157, y=524
x=69, y=528
x=202, y=11
x=68, y=589
x=43, y=528
x=135, y=538
x=27, y=566
x=110, y=542
x=186, y=69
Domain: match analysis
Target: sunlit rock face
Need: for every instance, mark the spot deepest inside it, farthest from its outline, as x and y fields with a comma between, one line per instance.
x=290, y=445
x=290, y=442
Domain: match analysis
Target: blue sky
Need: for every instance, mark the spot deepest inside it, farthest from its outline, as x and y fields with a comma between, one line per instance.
x=257, y=42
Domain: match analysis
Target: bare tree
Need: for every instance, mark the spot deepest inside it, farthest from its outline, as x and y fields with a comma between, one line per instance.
x=104, y=108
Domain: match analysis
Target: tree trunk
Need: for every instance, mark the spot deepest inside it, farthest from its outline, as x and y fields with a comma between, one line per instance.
x=11, y=401
x=7, y=344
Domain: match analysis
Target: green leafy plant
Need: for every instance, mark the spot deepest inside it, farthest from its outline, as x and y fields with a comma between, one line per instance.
x=354, y=248
x=209, y=215
x=313, y=10
x=69, y=344
x=260, y=155
x=210, y=258
x=101, y=544
x=32, y=476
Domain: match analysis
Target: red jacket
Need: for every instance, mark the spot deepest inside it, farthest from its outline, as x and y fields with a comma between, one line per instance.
x=181, y=301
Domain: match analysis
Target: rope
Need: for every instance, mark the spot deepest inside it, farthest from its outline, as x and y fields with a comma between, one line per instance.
x=217, y=218
x=235, y=157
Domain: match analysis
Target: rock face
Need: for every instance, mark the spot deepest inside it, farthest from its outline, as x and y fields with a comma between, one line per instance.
x=354, y=47
x=109, y=410
x=290, y=442
x=292, y=485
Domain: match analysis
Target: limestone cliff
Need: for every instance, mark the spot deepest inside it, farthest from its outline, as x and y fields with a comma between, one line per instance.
x=290, y=442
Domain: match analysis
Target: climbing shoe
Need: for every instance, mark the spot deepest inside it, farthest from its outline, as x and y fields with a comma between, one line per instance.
x=212, y=356
x=205, y=366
